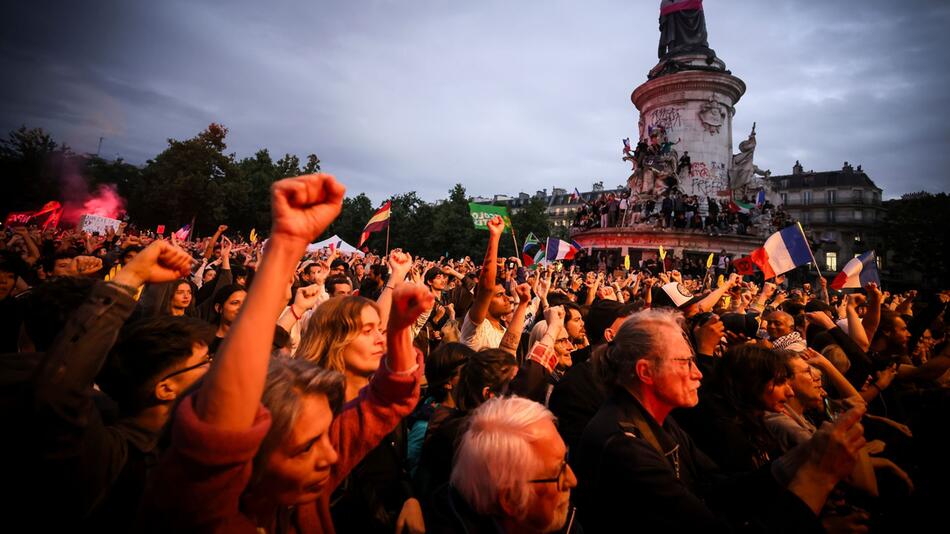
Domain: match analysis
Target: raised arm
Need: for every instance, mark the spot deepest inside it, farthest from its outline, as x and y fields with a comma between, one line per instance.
x=486, y=279
x=855, y=326
x=399, y=265
x=302, y=209
x=512, y=337
x=710, y=300
x=873, y=316
x=209, y=250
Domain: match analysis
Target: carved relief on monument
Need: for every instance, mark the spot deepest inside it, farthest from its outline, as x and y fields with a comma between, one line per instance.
x=711, y=116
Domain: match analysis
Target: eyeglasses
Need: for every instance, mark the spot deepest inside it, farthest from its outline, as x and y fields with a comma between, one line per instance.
x=204, y=362
x=691, y=362
x=560, y=479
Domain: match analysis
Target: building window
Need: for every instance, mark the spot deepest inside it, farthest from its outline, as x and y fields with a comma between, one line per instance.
x=877, y=260
x=831, y=261
x=831, y=215
x=831, y=196
x=857, y=215
x=806, y=216
x=784, y=198
x=857, y=196
x=806, y=197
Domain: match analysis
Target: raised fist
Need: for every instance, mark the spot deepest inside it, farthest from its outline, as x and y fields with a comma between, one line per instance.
x=399, y=265
x=554, y=316
x=87, y=265
x=159, y=262
x=409, y=302
x=306, y=296
x=523, y=292
x=303, y=207
x=496, y=226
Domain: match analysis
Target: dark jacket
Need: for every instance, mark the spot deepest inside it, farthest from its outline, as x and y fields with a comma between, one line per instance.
x=450, y=514
x=91, y=470
x=575, y=400
x=626, y=479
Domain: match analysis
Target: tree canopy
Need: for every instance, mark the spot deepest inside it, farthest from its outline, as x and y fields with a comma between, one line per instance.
x=197, y=180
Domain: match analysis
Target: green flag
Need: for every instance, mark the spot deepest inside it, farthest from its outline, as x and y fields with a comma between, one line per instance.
x=482, y=213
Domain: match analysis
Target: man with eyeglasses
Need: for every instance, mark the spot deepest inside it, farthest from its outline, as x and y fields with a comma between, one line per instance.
x=510, y=473
x=637, y=467
x=76, y=463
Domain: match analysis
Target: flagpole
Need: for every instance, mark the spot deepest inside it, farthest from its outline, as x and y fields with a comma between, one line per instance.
x=515, y=241
x=387, y=239
x=807, y=244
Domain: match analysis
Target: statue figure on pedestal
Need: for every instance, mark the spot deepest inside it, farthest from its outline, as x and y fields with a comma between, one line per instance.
x=655, y=165
x=682, y=28
x=742, y=166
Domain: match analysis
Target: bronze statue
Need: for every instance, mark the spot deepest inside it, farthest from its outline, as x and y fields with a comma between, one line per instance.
x=682, y=28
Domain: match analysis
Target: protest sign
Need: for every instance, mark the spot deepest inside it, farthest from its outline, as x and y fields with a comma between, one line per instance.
x=482, y=213
x=96, y=223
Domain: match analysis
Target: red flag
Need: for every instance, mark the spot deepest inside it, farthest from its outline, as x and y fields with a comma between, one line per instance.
x=744, y=265
x=160, y=230
x=52, y=209
x=761, y=258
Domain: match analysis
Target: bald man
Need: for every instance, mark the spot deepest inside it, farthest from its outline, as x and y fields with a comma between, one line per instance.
x=782, y=333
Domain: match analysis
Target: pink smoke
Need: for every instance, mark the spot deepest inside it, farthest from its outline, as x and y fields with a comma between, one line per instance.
x=105, y=201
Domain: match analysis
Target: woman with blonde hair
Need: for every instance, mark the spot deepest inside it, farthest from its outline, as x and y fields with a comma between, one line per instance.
x=345, y=334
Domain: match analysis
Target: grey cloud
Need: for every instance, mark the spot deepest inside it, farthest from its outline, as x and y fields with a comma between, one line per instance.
x=500, y=96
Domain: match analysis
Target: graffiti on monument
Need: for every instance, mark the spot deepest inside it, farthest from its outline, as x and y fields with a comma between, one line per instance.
x=699, y=170
x=666, y=117
x=708, y=180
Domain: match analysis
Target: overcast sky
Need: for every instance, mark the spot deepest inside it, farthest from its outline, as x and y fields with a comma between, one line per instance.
x=501, y=96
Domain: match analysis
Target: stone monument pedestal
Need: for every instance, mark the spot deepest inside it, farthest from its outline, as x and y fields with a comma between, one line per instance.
x=694, y=100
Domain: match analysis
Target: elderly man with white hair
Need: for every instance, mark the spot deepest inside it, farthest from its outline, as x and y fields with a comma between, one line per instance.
x=510, y=473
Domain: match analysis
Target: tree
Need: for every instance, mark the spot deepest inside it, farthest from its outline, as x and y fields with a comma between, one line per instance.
x=313, y=164
x=192, y=179
x=914, y=238
x=30, y=164
x=452, y=228
x=532, y=218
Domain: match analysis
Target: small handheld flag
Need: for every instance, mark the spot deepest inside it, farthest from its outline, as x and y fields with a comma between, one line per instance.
x=559, y=250
x=709, y=260
x=532, y=250
x=858, y=272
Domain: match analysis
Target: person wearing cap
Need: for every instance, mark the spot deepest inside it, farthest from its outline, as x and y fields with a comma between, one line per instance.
x=676, y=295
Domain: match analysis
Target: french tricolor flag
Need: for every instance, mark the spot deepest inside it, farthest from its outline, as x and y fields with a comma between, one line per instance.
x=858, y=272
x=783, y=251
x=559, y=250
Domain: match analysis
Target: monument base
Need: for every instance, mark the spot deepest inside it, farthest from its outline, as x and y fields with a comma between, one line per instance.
x=645, y=241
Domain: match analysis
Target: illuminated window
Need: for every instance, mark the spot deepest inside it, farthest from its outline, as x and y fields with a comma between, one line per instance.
x=831, y=261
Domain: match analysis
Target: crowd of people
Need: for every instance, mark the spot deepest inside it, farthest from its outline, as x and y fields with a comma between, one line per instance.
x=675, y=210
x=228, y=386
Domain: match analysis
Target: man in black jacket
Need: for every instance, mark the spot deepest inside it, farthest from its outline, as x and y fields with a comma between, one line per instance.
x=637, y=467
x=77, y=463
